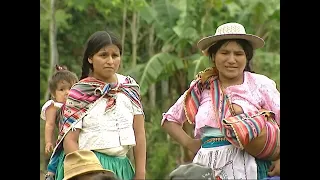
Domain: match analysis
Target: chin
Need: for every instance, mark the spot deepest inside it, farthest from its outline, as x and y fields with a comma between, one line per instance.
x=231, y=75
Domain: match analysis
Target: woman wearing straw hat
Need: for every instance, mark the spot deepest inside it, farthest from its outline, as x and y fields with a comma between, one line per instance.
x=103, y=112
x=231, y=51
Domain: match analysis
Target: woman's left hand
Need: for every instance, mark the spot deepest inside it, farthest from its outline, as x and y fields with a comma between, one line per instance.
x=274, y=169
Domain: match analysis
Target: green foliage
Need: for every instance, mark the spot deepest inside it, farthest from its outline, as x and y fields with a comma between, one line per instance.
x=160, y=66
x=161, y=153
x=178, y=25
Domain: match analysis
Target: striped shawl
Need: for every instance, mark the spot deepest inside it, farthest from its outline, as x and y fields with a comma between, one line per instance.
x=86, y=92
x=249, y=125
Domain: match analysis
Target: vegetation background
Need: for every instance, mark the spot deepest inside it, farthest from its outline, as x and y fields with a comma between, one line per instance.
x=159, y=50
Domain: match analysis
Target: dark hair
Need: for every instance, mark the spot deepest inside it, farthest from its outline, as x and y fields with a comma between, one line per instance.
x=247, y=47
x=99, y=176
x=95, y=42
x=104, y=176
x=61, y=74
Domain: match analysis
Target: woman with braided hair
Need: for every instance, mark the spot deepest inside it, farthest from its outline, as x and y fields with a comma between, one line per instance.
x=103, y=112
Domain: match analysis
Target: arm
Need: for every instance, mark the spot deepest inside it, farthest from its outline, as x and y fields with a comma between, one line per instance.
x=271, y=98
x=172, y=122
x=271, y=101
x=178, y=134
x=139, y=150
x=50, y=115
x=70, y=142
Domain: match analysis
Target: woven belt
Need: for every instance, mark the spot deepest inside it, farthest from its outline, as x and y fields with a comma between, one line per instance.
x=215, y=140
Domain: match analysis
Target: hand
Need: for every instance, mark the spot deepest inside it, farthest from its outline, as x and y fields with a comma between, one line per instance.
x=48, y=148
x=139, y=176
x=274, y=169
x=194, y=145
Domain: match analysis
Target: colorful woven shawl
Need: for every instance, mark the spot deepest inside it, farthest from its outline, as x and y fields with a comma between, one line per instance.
x=86, y=92
x=207, y=79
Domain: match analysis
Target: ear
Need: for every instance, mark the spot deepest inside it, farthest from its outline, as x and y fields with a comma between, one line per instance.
x=90, y=60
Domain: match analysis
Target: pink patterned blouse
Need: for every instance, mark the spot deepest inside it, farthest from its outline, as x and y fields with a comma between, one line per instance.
x=256, y=92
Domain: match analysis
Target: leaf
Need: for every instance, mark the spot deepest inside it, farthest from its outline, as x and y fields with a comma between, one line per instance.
x=157, y=65
x=80, y=5
x=147, y=13
x=61, y=19
x=196, y=66
x=234, y=9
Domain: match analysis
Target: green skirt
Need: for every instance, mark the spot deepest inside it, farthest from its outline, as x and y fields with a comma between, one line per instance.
x=121, y=166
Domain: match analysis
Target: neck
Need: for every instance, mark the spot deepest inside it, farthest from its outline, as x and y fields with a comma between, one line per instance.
x=111, y=79
x=231, y=81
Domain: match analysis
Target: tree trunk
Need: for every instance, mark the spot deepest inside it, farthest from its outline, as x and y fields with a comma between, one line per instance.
x=134, y=32
x=152, y=88
x=124, y=28
x=53, y=44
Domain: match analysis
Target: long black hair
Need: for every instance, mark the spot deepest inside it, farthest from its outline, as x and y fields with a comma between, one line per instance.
x=94, y=43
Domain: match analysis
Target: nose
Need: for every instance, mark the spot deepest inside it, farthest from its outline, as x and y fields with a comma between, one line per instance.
x=231, y=59
x=66, y=92
x=110, y=59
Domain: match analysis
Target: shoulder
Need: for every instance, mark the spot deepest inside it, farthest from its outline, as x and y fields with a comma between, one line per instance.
x=259, y=79
x=126, y=79
x=48, y=104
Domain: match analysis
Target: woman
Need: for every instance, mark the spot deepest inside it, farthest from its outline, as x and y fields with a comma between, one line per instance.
x=103, y=112
x=231, y=51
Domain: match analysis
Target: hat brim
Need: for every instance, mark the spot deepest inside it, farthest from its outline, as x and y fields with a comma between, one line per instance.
x=84, y=170
x=208, y=41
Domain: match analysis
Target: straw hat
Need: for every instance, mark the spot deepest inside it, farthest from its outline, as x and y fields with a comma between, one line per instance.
x=229, y=31
x=81, y=162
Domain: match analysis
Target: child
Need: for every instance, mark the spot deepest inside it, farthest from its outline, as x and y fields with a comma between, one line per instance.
x=59, y=85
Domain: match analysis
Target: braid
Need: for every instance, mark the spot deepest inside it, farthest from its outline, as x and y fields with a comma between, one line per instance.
x=248, y=68
x=85, y=68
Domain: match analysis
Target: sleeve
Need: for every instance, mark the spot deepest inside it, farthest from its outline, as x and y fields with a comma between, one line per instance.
x=271, y=98
x=44, y=108
x=136, y=110
x=79, y=124
x=176, y=112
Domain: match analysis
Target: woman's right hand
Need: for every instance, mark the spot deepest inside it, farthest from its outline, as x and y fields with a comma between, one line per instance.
x=48, y=148
x=194, y=145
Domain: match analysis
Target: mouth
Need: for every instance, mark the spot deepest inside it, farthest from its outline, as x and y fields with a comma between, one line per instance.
x=107, y=68
x=231, y=67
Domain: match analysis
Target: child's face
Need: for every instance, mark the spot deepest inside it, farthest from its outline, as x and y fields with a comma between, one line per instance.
x=62, y=91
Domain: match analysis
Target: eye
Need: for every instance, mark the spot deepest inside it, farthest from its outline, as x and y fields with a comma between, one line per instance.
x=115, y=55
x=240, y=54
x=103, y=54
